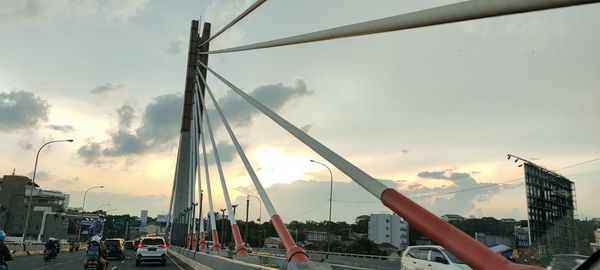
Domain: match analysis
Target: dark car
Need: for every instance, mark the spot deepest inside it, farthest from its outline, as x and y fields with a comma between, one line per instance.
x=115, y=248
x=129, y=245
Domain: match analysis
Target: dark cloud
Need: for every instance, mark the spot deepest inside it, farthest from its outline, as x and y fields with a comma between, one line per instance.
x=306, y=128
x=160, y=122
x=405, y=151
x=126, y=116
x=21, y=110
x=175, y=47
x=62, y=128
x=107, y=87
x=227, y=152
x=90, y=152
x=274, y=96
x=25, y=145
x=434, y=175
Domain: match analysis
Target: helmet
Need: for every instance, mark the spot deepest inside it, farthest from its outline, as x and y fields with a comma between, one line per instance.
x=51, y=239
x=2, y=235
x=96, y=238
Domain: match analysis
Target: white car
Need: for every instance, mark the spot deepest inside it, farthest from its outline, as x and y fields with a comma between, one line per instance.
x=430, y=257
x=151, y=249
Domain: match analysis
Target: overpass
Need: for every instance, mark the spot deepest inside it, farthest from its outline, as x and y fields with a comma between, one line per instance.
x=186, y=235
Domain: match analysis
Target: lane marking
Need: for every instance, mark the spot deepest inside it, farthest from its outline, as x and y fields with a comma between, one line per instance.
x=176, y=264
x=40, y=268
x=113, y=268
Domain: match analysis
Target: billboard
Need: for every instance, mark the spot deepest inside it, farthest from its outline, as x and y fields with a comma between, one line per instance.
x=550, y=210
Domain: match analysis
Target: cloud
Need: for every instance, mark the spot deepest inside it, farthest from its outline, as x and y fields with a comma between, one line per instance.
x=41, y=175
x=160, y=123
x=90, y=152
x=227, y=152
x=306, y=128
x=68, y=182
x=434, y=175
x=274, y=96
x=175, y=47
x=123, y=10
x=62, y=128
x=21, y=110
x=25, y=145
x=405, y=151
x=106, y=88
x=126, y=116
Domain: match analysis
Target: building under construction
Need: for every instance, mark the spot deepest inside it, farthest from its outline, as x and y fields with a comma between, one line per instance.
x=551, y=210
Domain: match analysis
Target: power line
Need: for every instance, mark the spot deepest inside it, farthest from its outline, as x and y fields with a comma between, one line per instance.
x=463, y=11
x=237, y=19
x=310, y=210
x=474, y=188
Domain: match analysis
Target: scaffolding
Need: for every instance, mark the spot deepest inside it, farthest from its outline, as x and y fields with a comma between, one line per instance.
x=551, y=209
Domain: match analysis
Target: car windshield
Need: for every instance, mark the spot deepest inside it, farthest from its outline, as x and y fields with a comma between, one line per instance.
x=452, y=257
x=153, y=241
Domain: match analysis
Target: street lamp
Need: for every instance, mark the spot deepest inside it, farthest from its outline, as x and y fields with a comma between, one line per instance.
x=83, y=209
x=33, y=187
x=234, y=207
x=259, y=216
x=330, y=200
x=223, y=226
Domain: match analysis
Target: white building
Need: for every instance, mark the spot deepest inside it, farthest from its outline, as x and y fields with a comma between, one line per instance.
x=392, y=229
x=596, y=245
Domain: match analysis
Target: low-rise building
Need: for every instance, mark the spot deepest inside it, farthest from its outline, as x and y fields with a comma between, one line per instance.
x=494, y=240
x=522, y=237
x=452, y=217
x=15, y=191
x=385, y=228
x=273, y=242
x=320, y=236
x=596, y=245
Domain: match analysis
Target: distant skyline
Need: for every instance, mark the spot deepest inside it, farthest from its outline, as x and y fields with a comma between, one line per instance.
x=427, y=110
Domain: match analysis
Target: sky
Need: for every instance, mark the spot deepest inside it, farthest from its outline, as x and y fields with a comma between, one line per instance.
x=427, y=111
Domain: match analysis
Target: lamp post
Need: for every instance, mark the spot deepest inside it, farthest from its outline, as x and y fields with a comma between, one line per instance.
x=223, y=226
x=234, y=207
x=259, y=215
x=33, y=188
x=83, y=209
x=330, y=200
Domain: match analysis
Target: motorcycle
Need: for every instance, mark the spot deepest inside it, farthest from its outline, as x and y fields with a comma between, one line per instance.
x=49, y=255
x=92, y=264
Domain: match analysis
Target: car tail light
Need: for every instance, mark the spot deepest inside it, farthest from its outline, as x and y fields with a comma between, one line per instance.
x=140, y=245
x=164, y=245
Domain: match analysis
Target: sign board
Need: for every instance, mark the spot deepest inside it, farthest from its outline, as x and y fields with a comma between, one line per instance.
x=135, y=223
x=118, y=223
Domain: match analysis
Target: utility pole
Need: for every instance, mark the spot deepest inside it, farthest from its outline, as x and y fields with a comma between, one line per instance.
x=223, y=226
x=247, y=210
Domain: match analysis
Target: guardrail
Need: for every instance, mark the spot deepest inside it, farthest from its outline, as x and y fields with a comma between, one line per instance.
x=349, y=259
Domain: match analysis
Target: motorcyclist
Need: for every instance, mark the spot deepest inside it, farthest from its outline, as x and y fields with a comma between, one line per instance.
x=4, y=252
x=53, y=246
x=101, y=256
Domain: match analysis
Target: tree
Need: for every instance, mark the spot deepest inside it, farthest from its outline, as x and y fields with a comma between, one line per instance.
x=365, y=246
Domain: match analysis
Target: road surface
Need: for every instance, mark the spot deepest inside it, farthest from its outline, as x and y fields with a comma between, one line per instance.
x=74, y=261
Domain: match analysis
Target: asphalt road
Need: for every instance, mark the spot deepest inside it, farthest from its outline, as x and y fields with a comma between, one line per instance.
x=74, y=261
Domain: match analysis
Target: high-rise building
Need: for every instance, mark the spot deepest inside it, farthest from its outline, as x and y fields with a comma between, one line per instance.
x=385, y=228
x=551, y=210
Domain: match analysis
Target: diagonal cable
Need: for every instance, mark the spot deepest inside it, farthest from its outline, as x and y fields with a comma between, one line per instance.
x=237, y=19
x=360, y=177
x=463, y=11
